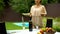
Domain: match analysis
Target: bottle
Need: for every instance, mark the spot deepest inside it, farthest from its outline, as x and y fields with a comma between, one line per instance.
x=30, y=25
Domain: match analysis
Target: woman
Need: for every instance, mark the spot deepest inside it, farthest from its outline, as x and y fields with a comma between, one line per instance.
x=36, y=13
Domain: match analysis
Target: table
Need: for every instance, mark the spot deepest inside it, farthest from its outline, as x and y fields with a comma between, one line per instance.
x=26, y=31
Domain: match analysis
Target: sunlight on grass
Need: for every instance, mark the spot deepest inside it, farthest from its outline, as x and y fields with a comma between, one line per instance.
x=10, y=26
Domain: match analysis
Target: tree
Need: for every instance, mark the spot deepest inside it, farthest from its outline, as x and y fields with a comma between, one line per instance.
x=52, y=1
x=1, y=5
x=20, y=5
x=58, y=1
x=44, y=2
x=23, y=6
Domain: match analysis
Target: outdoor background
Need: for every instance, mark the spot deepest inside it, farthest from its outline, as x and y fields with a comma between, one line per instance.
x=23, y=6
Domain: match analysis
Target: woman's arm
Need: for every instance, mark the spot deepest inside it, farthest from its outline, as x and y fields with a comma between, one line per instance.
x=44, y=13
x=31, y=12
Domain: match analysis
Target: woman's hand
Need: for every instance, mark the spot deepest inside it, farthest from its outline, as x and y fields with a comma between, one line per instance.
x=30, y=15
x=43, y=14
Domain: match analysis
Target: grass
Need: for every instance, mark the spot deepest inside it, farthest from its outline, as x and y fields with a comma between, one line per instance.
x=10, y=26
x=56, y=26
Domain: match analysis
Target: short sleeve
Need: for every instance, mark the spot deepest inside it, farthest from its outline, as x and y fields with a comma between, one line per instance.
x=31, y=9
x=44, y=10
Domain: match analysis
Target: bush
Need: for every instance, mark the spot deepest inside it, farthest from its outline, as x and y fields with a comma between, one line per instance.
x=58, y=19
x=57, y=27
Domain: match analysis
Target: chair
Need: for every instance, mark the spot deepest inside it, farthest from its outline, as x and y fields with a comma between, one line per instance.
x=2, y=28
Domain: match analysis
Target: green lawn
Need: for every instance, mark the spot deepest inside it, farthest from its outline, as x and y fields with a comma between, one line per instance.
x=11, y=26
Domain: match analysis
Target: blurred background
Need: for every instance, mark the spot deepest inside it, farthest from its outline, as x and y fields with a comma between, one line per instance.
x=12, y=12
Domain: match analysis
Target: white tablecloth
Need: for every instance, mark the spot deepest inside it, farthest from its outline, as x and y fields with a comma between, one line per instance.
x=24, y=31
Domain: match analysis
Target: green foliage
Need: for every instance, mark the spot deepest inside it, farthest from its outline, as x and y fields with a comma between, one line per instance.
x=57, y=29
x=20, y=5
x=1, y=5
x=23, y=6
x=54, y=1
x=44, y=2
x=56, y=26
x=11, y=26
x=58, y=19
